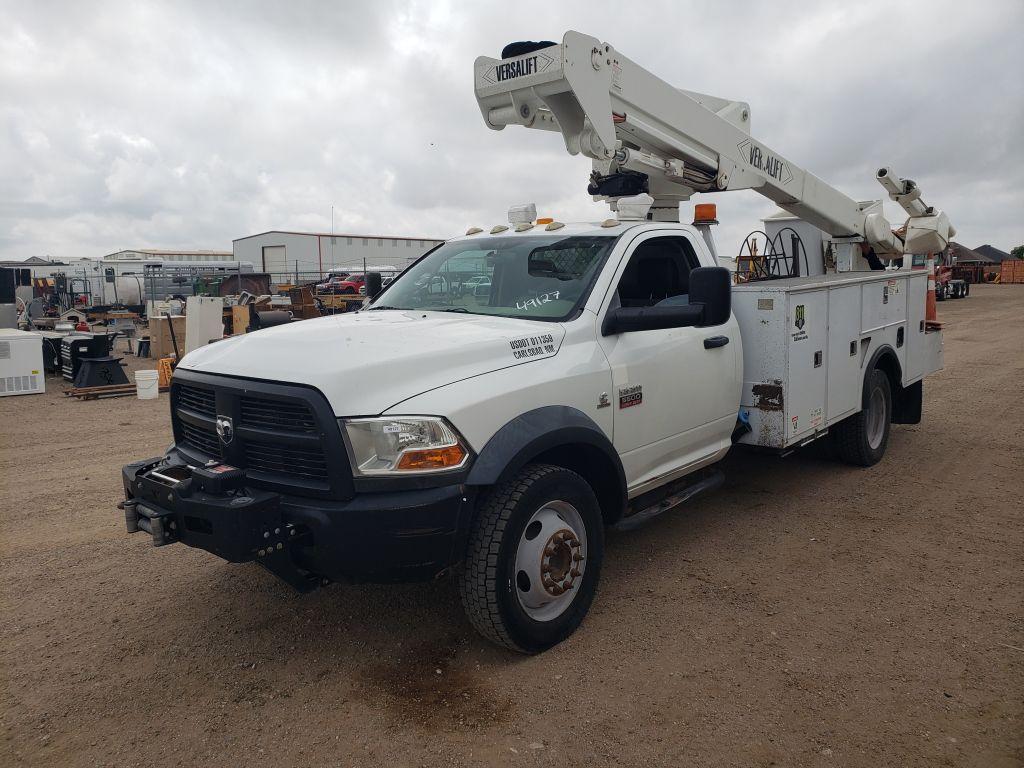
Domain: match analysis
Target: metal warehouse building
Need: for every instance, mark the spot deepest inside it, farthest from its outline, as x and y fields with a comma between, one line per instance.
x=165, y=255
x=282, y=253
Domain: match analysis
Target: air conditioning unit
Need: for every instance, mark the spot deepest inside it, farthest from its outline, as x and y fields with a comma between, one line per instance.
x=21, y=363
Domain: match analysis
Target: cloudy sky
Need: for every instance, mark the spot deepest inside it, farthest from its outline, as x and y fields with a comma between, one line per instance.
x=188, y=124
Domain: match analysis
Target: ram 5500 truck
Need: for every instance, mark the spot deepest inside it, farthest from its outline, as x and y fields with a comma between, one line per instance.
x=520, y=389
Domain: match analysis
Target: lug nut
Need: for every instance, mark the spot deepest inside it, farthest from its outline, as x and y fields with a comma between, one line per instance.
x=280, y=545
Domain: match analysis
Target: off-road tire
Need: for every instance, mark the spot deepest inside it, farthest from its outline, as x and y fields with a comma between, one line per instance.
x=487, y=578
x=851, y=436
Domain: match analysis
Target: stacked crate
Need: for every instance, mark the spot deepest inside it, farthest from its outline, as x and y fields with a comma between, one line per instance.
x=1011, y=271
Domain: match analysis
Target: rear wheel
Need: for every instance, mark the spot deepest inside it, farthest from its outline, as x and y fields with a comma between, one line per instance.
x=534, y=559
x=862, y=438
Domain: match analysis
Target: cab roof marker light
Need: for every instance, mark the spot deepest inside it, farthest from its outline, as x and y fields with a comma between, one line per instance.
x=554, y=225
x=610, y=223
x=705, y=213
x=524, y=226
x=498, y=229
x=474, y=231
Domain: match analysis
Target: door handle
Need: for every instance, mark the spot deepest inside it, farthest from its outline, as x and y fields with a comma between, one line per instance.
x=715, y=341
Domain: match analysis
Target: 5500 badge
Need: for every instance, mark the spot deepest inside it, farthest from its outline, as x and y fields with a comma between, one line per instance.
x=631, y=396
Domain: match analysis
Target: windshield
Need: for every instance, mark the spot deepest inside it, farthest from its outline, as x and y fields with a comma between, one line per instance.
x=537, y=278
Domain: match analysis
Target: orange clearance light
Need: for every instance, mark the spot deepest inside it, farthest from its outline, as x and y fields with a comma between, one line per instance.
x=448, y=457
x=545, y=220
x=705, y=213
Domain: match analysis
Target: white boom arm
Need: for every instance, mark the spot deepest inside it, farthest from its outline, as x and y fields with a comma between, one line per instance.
x=628, y=120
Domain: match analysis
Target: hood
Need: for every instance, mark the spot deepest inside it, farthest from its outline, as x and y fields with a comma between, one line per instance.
x=367, y=362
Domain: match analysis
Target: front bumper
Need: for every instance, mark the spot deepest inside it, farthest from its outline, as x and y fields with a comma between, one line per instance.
x=390, y=536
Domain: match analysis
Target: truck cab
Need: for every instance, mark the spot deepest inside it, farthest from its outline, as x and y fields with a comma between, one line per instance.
x=395, y=443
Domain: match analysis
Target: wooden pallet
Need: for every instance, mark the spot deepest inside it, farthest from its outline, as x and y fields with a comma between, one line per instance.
x=112, y=390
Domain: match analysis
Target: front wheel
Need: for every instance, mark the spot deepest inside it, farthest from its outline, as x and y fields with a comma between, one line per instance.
x=861, y=439
x=534, y=559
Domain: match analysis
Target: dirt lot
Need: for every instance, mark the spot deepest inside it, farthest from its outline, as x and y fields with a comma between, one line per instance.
x=809, y=614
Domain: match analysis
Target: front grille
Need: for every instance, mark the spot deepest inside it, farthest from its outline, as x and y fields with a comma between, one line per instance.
x=262, y=413
x=302, y=462
x=286, y=437
x=199, y=400
x=203, y=439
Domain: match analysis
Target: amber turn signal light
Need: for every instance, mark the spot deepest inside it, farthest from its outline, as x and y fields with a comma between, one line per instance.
x=447, y=457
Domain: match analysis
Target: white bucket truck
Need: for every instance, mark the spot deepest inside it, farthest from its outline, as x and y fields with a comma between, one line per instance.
x=522, y=387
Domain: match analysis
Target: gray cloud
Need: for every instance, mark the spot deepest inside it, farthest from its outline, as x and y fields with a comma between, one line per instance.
x=188, y=124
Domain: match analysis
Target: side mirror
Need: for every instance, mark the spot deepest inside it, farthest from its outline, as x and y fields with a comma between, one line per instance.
x=373, y=284
x=711, y=287
x=629, y=319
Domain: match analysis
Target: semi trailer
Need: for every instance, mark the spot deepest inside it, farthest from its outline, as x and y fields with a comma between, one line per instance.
x=594, y=377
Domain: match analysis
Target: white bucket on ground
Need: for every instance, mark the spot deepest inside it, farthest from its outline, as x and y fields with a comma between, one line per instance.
x=147, y=384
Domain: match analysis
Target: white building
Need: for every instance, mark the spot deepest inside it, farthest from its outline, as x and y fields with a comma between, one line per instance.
x=147, y=254
x=285, y=253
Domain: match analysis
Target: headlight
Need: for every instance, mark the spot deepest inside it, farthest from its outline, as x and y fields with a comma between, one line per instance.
x=404, y=444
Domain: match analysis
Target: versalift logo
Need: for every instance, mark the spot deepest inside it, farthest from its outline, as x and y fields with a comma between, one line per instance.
x=513, y=68
x=765, y=161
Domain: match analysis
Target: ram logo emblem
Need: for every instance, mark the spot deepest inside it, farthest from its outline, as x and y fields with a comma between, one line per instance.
x=225, y=429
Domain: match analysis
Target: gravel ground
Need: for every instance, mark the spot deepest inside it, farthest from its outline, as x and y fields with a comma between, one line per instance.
x=808, y=614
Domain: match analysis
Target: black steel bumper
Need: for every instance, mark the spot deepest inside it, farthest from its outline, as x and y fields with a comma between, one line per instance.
x=398, y=536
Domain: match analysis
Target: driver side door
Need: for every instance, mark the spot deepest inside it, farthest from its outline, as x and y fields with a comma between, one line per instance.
x=673, y=396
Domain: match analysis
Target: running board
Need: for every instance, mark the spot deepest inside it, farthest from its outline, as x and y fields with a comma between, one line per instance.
x=711, y=482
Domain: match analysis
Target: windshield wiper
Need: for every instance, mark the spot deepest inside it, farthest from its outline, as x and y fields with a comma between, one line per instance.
x=382, y=306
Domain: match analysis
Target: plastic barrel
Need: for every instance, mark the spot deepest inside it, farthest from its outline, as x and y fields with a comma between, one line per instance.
x=147, y=384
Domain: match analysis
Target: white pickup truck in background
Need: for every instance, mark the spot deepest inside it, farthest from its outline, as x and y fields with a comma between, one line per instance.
x=557, y=378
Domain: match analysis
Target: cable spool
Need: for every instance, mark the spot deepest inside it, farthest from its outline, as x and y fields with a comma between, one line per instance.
x=765, y=258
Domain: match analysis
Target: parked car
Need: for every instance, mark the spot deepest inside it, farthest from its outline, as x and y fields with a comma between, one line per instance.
x=332, y=284
x=351, y=284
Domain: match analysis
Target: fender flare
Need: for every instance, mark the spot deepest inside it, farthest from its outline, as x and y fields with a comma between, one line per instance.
x=535, y=432
x=885, y=359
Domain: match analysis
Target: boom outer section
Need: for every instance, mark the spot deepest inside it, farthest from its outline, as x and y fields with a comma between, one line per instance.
x=576, y=88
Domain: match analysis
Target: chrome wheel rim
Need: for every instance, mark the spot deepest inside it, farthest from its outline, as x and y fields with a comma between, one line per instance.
x=876, y=418
x=550, y=560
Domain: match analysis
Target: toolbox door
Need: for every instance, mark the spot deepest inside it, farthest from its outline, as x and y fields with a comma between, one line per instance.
x=844, y=355
x=917, y=363
x=807, y=364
